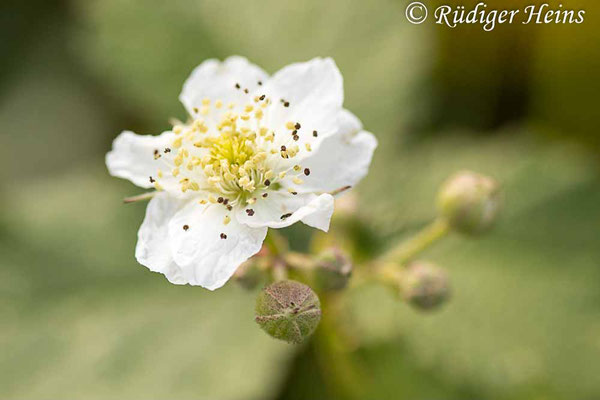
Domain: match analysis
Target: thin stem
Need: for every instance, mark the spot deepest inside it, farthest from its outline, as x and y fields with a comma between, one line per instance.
x=413, y=246
x=278, y=247
x=276, y=243
x=279, y=272
x=333, y=351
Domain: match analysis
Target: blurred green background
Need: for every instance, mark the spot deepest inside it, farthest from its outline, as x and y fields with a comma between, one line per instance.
x=81, y=319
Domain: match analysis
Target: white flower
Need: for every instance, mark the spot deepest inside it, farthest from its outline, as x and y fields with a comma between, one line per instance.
x=258, y=152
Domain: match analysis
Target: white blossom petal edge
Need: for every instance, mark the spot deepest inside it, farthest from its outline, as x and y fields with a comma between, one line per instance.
x=258, y=152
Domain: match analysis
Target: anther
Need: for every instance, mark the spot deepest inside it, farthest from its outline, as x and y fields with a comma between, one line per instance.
x=265, y=194
x=285, y=216
x=286, y=103
x=246, y=91
x=237, y=85
x=167, y=150
x=306, y=171
x=315, y=134
x=297, y=126
x=186, y=227
x=223, y=236
x=283, y=148
x=259, y=84
x=152, y=180
x=296, y=137
x=220, y=200
x=261, y=98
x=267, y=182
x=250, y=212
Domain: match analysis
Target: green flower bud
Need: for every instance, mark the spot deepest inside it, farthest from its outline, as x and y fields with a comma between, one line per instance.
x=470, y=202
x=333, y=269
x=424, y=285
x=288, y=310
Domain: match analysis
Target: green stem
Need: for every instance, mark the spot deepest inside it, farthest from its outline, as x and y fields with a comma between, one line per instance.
x=279, y=272
x=388, y=268
x=278, y=247
x=347, y=379
x=276, y=243
x=407, y=250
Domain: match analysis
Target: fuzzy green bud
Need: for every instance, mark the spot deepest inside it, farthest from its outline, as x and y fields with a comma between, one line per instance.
x=288, y=311
x=470, y=202
x=333, y=269
x=424, y=285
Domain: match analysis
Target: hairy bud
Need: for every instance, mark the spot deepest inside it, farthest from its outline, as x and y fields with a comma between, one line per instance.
x=424, y=285
x=470, y=202
x=333, y=269
x=288, y=310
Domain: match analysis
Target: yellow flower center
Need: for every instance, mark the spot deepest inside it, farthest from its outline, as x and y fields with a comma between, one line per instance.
x=235, y=160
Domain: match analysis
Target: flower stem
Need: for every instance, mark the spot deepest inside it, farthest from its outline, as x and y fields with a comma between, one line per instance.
x=408, y=249
x=333, y=349
x=279, y=272
x=278, y=247
x=276, y=243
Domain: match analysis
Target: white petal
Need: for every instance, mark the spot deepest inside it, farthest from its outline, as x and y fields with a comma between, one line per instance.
x=152, y=249
x=132, y=156
x=274, y=211
x=216, y=80
x=204, y=257
x=342, y=159
x=315, y=93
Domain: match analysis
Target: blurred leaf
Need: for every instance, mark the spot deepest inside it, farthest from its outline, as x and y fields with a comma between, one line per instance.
x=145, y=50
x=83, y=319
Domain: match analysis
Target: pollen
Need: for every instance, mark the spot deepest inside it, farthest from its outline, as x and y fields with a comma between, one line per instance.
x=233, y=158
x=177, y=142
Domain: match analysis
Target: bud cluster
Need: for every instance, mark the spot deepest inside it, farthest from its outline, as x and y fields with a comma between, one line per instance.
x=288, y=310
